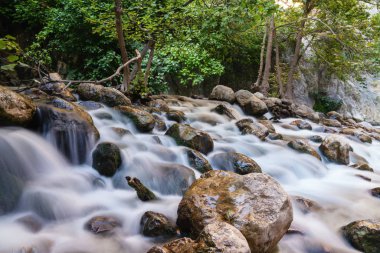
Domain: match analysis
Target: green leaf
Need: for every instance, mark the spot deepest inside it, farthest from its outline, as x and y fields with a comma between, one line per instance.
x=12, y=58
x=8, y=67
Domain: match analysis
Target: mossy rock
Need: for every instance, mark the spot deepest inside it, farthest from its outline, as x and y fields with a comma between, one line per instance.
x=106, y=159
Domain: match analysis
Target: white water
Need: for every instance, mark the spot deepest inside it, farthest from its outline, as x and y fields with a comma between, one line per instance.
x=65, y=197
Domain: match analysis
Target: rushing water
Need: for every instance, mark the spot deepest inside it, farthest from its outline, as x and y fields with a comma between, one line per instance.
x=58, y=198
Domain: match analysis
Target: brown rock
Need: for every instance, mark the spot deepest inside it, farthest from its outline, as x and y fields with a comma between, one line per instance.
x=156, y=224
x=236, y=162
x=303, y=147
x=335, y=149
x=106, y=95
x=222, y=93
x=143, y=120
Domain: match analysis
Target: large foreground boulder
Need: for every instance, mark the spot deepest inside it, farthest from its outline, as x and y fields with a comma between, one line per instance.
x=222, y=93
x=15, y=109
x=363, y=235
x=235, y=162
x=143, y=120
x=106, y=95
x=216, y=237
x=190, y=137
x=255, y=204
x=336, y=149
x=250, y=104
x=106, y=159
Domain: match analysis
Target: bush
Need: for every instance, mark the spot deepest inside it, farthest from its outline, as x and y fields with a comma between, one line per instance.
x=325, y=104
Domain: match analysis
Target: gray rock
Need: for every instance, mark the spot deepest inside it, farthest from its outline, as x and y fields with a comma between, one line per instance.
x=235, y=162
x=155, y=224
x=106, y=95
x=336, y=149
x=143, y=120
x=363, y=235
x=222, y=93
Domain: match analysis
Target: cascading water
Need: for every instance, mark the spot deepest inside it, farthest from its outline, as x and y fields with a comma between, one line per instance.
x=55, y=199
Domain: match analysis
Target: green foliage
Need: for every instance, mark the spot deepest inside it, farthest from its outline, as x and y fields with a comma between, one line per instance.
x=9, y=53
x=325, y=104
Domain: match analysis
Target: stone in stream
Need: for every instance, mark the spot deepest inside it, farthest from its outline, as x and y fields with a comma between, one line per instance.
x=364, y=138
x=155, y=224
x=143, y=120
x=363, y=235
x=305, y=205
x=121, y=131
x=316, y=138
x=105, y=95
x=375, y=192
x=160, y=123
x=331, y=123
x=106, y=159
x=303, y=147
x=275, y=136
x=55, y=87
x=222, y=93
x=215, y=237
x=301, y=124
x=159, y=104
x=103, y=225
x=190, y=137
x=336, y=149
x=143, y=193
x=255, y=204
x=224, y=110
x=15, y=109
x=198, y=161
x=362, y=166
x=90, y=105
x=248, y=126
x=175, y=115
x=250, y=104
x=235, y=162
x=268, y=124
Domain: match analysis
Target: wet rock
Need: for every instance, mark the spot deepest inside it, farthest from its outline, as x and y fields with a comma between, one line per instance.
x=375, y=192
x=303, y=147
x=364, y=177
x=56, y=88
x=306, y=205
x=143, y=120
x=304, y=111
x=183, y=245
x=106, y=159
x=222, y=93
x=32, y=222
x=190, y=137
x=268, y=125
x=275, y=136
x=121, y=131
x=106, y=95
x=362, y=166
x=250, y=104
x=15, y=109
x=177, y=116
x=235, y=162
x=316, y=138
x=248, y=126
x=198, y=161
x=143, y=193
x=103, y=115
x=224, y=110
x=336, y=149
x=259, y=95
x=159, y=104
x=103, y=225
x=301, y=124
x=160, y=123
x=155, y=224
x=331, y=122
x=11, y=188
x=363, y=235
x=90, y=105
x=263, y=212
x=364, y=138
x=335, y=115
x=348, y=131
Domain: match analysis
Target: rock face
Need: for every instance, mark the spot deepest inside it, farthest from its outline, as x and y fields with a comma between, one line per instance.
x=263, y=213
x=363, y=235
x=156, y=224
x=190, y=137
x=143, y=120
x=106, y=159
x=216, y=237
x=335, y=149
x=303, y=147
x=106, y=95
x=236, y=162
x=222, y=93
x=197, y=161
x=250, y=104
x=15, y=109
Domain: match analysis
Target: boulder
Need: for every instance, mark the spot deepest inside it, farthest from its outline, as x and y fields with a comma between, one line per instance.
x=103, y=225
x=55, y=87
x=224, y=110
x=222, y=93
x=160, y=123
x=159, y=104
x=301, y=124
x=364, y=138
x=363, y=235
x=235, y=162
x=268, y=124
x=144, y=121
x=106, y=159
x=250, y=104
x=155, y=224
x=331, y=122
x=182, y=245
x=303, y=111
x=248, y=126
x=190, y=137
x=316, y=138
x=197, y=161
x=15, y=109
x=275, y=136
x=175, y=115
x=303, y=147
x=336, y=149
x=255, y=204
x=106, y=95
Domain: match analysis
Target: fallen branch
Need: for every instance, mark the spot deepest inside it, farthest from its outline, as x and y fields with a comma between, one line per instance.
x=143, y=193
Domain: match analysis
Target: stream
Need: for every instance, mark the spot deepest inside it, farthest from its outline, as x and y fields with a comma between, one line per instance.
x=60, y=196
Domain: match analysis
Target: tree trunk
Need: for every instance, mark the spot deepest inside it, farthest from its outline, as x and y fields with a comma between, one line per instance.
x=260, y=74
x=264, y=88
x=278, y=67
x=121, y=41
x=308, y=7
x=143, y=53
x=148, y=66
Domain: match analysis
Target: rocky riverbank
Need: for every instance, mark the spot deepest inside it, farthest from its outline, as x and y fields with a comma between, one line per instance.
x=229, y=204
